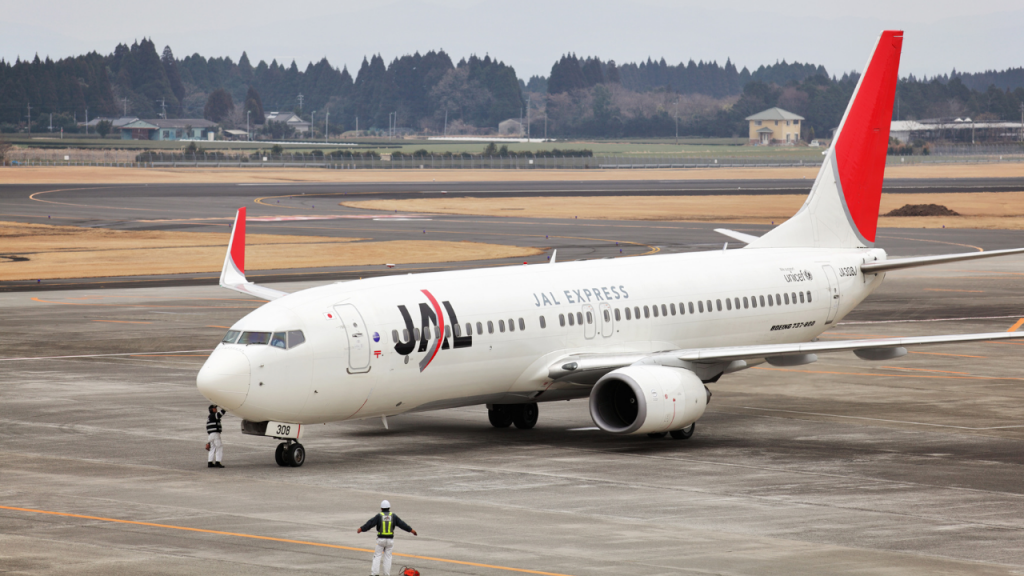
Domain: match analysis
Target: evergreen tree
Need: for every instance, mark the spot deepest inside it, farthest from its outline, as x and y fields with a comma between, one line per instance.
x=254, y=106
x=219, y=106
x=173, y=77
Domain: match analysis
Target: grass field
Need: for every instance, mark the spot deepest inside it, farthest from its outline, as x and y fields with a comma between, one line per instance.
x=1004, y=210
x=71, y=252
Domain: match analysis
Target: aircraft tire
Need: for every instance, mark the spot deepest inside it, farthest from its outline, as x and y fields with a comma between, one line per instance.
x=685, y=433
x=657, y=434
x=525, y=417
x=295, y=455
x=500, y=416
x=279, y=454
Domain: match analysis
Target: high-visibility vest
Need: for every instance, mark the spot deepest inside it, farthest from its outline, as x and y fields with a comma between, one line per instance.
x=387, y=525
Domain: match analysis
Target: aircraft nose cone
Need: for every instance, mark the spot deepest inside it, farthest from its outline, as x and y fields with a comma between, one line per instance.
x=224, y=379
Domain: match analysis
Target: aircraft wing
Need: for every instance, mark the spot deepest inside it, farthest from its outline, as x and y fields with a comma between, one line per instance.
x=232, y=275
x=586, y=367
x=900, y=263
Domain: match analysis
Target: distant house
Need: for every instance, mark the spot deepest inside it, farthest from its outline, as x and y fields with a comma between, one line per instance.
x=236, y=135
x=115, y=123
x=291, y=119
x=175, y=129
x=774, y=126
x=954, y=129
x=511, y=127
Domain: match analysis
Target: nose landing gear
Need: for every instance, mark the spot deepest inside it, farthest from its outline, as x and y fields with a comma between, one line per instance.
x=290, y=453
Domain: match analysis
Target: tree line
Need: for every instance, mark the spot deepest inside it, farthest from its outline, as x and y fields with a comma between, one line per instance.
x=430, y=92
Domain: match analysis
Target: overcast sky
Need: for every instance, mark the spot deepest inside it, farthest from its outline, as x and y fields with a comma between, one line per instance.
x=531, y=34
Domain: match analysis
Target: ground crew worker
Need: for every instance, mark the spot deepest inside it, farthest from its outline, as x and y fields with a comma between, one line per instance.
x=213, y=428
x=385, y=523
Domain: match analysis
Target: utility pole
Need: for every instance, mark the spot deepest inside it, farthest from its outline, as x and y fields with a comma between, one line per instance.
x=312, y=123
x=300, y=102
x=125, y=99
x=163, y=108
x=51, y=122
x=527, y=117
x=677, y=120
x=545, y=123
x=357, y=126
x=30, y=118
x=327, y=126
x=1022, y=122
x=248, y=136
x=445, y=121
x=86, y=119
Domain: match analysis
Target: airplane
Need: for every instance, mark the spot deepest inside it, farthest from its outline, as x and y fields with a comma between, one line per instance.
x=641, y=337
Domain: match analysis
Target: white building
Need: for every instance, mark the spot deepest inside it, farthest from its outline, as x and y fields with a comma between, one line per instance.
x=957, y=129
x=291, y=119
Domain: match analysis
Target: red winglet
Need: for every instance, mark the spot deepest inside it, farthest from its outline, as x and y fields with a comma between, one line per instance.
x=864, y=135
x=238, y=241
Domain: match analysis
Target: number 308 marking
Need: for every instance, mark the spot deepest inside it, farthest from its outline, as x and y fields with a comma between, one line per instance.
x=848, y=271
x=284, y=430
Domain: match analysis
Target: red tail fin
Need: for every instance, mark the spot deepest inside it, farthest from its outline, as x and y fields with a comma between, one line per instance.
x=238, y=241
x=863, y=137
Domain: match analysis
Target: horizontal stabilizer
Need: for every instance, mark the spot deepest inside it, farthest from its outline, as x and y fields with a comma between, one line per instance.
x=745, y=238
x=899, y=263
x=232, y=275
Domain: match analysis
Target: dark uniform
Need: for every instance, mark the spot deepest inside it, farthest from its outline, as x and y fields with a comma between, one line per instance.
x=385, y=524
x=214, y=428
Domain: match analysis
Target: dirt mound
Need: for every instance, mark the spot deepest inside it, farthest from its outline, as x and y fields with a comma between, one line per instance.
x=923, y=210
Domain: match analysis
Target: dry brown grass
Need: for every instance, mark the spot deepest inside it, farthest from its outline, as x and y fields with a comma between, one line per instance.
x=106, y=175
x=1002, y=210
x=69, y=252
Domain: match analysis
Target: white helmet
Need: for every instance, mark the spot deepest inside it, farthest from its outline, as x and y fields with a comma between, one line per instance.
x=384, y=505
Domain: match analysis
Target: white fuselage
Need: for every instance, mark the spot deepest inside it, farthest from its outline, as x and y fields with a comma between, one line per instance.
x=351, y=366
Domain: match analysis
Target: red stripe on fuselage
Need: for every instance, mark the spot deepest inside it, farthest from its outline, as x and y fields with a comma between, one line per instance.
x=440, y=325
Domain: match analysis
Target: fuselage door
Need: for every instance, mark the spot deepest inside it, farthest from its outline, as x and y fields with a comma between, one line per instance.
x=607, y=322
x=833, y=293
x=358, y=338
x=589, y=322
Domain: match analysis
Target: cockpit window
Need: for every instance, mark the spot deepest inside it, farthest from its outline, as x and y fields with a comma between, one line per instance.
x=278, y=340
x=295, y=337
x=254, y=338
x=231, y=336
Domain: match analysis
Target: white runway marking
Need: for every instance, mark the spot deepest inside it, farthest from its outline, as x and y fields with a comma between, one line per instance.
x=583, y=429
x=883, y=420
x=103, y=355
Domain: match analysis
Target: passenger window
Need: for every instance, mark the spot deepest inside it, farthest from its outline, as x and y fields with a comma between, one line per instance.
x=655, y=310
x=490, y=327
x=709, y=305
x=672, y=308
x=762, y=301
x=501, y=325
x=753, y=301
x=718, y=304
x=808, y=295
x=794, y=297
x=590, y=318
x=737, y=303
x=295, y=337
x=394, y=336
x=511, y=325
x=254, y=338
x=561, y=319
x=469, y=328
x=771, y=302
x=801, y=297
x=607, y=316
x=416, y=334
x=628, y=314
x=745, y=302
x=700, y=306
x=480, y=328
x=787, y=298
x=691, y=307
x=617, y=315
x=448, y=331
x=231, y=336
x=543, y=322
x=579, y=318
x=664, y=310
x=636, y=312
x=728, y=304
x=572, y=319
x=522, y=324
x=458, y=330
x=647, y=312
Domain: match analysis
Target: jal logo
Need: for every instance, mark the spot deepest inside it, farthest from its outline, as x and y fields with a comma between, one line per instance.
x=432, y=320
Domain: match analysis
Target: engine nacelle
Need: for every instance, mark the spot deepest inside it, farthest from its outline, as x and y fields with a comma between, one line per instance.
x=644, y=399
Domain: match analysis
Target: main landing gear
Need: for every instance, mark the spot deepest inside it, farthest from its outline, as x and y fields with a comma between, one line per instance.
x=683, y=434
x=524, y=416
x=290, y=453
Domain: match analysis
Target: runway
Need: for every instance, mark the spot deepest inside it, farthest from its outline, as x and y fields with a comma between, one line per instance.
x=908, y=466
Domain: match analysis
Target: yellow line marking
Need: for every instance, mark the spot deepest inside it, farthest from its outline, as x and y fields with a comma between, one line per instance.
x=121, y=322
x=978, y=248
x=224, y=327
x=926, y=370
x=943, y=354
x=883, y=375
x=949, y=290
x=1016, y=326
x=165, y=355
x=272, y=539
x=35, y=299
x=33, y=197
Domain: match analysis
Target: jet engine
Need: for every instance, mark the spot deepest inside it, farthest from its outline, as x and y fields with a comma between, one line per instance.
x=642, y=399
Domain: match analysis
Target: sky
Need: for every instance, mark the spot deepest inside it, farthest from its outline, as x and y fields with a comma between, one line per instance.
x=531, y=35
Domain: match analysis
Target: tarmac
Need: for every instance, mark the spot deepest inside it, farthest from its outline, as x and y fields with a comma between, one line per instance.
x=908, y=466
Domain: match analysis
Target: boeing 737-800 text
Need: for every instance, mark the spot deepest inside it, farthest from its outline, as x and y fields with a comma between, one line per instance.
x=640, y=337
